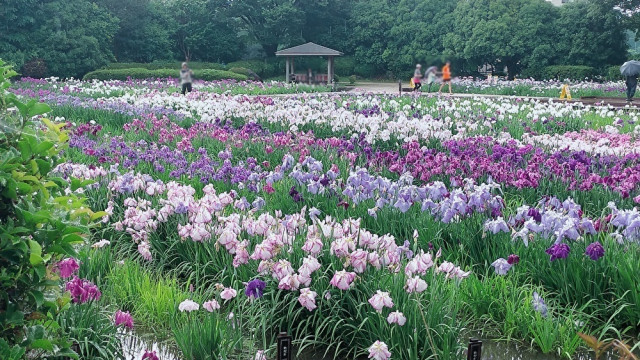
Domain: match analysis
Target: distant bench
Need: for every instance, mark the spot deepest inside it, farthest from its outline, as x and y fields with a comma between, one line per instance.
x=316, y=79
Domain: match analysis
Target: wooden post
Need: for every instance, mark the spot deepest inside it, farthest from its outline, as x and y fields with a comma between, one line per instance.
x=284, y=347
x=287, y=71
x=329, y=70
x=474, y=351
x=293, y=67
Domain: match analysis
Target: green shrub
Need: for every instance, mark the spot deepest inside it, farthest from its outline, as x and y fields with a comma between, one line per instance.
x=36, y=68
x=366, y=71
x=39, y=225
x=264, y=68
x=344, y=66
x=352, y=79
x=257, y=66
x=612, y=73
x=572, y=72
x=165, y=65
x=141, y=73
x=211, y=75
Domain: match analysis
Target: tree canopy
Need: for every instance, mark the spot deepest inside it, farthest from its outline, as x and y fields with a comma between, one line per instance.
x=71, y=37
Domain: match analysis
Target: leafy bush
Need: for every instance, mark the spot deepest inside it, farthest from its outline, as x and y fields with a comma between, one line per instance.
x=39, y=224
x=165, y=65
x=36, y=68
x=366, y=71
x=141, y=73
x=344, y=66
x=613, y=73
x=247, y=72
x=572, y=72
x=264, y=68
x=352, y=79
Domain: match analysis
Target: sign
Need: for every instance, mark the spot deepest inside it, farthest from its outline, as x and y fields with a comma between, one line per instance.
x=565, y=93
x=474, y=351
x=285, y=350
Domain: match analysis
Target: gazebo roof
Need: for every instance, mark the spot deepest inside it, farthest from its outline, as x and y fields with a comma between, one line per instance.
x=308, y=49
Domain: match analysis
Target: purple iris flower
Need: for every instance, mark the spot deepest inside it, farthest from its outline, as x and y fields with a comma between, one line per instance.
x=595, y=251
x=513, y=259
x=558, y=251
x=535, y=214
x=255, y=288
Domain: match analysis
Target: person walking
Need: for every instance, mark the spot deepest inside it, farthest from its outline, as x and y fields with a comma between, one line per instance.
x=417, y=78
x=632, y=84
x=430, y=74
x=446, y=77
x=186, y=78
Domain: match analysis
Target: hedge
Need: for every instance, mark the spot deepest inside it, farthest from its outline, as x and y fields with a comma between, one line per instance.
x=613, y=73
x=572, y=72
x=165, y=65
x=141, y=73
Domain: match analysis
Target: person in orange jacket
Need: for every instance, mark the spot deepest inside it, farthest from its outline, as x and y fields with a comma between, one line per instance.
x=446, y=77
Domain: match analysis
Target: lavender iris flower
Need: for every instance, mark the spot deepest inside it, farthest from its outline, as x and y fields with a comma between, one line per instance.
x=501, y=266
x=258, y=203
x=539, y=305
x=313, y=213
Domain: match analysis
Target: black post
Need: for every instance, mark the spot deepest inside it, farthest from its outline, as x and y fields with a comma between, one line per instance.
x=400, y=86
x=474, y=351
x=285, y=351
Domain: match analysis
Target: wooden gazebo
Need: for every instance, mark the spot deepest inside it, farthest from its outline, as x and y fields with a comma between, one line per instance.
x=309, y=49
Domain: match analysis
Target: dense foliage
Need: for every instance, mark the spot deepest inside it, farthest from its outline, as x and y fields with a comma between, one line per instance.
x=42, y=218
x=380, y=37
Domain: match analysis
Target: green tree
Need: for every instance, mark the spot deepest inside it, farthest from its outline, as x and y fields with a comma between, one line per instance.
x=501, y=33
x=372, y=21
x=17, y=22
x=327, y=22
x=417, y=35
x=72, y=36
x=271, y=22
x=145, y=28
x=205, y=30
x=591, y=33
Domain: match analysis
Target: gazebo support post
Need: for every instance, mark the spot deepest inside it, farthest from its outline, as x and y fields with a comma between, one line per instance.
x=287, y=71
x=329, y=70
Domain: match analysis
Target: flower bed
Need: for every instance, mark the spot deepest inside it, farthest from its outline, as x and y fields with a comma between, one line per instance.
x=363, y=225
